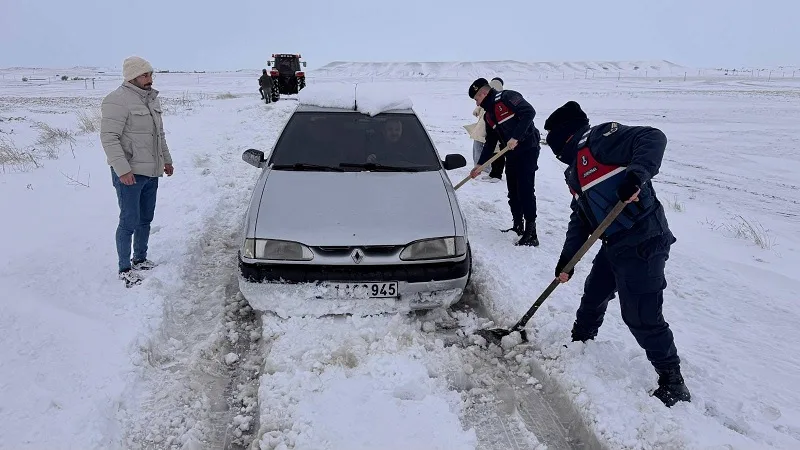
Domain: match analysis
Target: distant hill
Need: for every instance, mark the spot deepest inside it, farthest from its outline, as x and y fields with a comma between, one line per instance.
x=467, y=69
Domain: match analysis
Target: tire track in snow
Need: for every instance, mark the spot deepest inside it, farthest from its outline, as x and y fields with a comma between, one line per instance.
x=499, y=397
x=200, y=368
x=523, y=397
x=188, y=382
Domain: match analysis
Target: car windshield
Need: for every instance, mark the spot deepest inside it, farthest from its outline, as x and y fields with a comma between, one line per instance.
x=352, y=141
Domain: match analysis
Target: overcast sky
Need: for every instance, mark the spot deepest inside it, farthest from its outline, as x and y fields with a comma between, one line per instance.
x=212, y=35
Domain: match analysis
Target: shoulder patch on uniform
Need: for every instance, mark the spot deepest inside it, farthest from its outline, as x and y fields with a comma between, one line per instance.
x=612, y=130
x=584, y=138
x=513, y=97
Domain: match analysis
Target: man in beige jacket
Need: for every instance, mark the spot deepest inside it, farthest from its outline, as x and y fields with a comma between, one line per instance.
x=132, y=134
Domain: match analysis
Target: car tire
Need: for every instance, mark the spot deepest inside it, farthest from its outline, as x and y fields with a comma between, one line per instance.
x=469, y=277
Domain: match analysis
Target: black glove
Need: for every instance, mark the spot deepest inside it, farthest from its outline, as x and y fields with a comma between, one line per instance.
x=562, y=262
x=628, y=187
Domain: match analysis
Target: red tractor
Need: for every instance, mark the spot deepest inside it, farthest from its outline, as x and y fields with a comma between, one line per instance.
x=287, y=76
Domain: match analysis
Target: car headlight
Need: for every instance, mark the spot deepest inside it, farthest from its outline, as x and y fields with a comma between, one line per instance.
x=275, y=249
x=435, y=249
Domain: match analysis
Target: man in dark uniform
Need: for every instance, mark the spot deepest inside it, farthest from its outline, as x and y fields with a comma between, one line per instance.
x=608, y=163
x=509, y=120
x=265, y=86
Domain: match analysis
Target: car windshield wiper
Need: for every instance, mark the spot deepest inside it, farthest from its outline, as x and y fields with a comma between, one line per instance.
x=308, y=167
x=383, y=168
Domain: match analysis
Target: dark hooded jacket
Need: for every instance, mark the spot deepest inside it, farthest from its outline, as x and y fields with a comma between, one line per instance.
x=598, y=159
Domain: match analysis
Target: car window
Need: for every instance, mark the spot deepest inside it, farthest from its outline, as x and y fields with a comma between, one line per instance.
x=350, y=140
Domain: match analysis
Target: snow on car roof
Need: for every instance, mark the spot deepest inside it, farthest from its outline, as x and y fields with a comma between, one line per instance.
x=367, y=98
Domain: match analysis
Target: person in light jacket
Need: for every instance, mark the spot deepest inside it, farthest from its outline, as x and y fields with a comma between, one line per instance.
x=477, y=132
x=132, y=135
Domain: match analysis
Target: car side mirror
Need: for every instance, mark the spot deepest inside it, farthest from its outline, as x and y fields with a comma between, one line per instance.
x=269, y=63
x=304, y=63
x=253, y=157
x=454, y=161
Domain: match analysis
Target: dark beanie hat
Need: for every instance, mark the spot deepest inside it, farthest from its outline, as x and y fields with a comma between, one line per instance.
x=477, y=84
x=569, y=116
x=562, y=124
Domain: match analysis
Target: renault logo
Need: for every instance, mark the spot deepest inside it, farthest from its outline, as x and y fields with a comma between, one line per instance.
x=357, y=255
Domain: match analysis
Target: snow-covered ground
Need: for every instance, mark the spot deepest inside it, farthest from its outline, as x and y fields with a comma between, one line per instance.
x=183, y=361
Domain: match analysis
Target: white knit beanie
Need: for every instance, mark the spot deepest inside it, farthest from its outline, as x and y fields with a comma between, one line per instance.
x=135, y=66
x=496, y=84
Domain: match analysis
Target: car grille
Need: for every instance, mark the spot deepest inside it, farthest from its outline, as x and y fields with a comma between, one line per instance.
x=369, y=250
x=412, y=273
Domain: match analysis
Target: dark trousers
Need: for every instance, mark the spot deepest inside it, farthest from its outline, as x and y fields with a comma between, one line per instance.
x=137, y=205
x=637, y=273
x=497, y=167
x=521, y=165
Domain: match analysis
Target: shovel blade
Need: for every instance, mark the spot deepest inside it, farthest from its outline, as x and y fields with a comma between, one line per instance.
x=496, y=335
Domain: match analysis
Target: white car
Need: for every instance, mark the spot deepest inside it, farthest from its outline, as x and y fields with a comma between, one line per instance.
x=353, y=213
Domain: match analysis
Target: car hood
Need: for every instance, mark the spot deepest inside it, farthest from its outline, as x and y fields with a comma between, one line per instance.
x=354, y=208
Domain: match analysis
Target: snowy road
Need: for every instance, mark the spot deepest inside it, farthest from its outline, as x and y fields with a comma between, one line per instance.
x=184, y=363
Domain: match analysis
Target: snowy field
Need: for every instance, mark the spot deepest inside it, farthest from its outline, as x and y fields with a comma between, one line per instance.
x=182, y=361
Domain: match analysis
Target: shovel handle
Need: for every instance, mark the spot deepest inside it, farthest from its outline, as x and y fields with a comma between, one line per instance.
x=572, y=262
x=481, y=167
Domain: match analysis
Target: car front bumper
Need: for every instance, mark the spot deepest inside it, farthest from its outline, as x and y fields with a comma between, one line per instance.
x=295, y=290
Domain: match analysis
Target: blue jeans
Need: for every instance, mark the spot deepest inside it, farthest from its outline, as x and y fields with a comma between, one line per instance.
x=137, y=205
x=477, y=148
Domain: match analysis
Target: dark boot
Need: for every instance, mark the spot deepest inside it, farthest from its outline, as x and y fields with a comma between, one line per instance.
x=517, y=228
x=579, y=334
x=529, y=235
x=671, y=388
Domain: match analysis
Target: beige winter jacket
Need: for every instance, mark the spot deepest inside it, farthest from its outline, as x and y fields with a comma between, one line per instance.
x=132, y=131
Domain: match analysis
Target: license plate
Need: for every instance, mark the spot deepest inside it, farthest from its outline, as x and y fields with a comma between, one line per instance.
x=364, y=290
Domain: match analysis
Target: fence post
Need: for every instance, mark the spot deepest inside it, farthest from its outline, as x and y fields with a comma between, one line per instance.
x=85, y=84
x=684, y=76
x=619, y=74
x=770, y=76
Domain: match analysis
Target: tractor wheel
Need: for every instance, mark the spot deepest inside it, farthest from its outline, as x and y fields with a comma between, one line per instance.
x=301, y=83
x=276, y=91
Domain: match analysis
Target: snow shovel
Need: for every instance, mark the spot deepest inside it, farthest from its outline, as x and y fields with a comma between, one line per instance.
x=487, y=163
x=496, y=335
